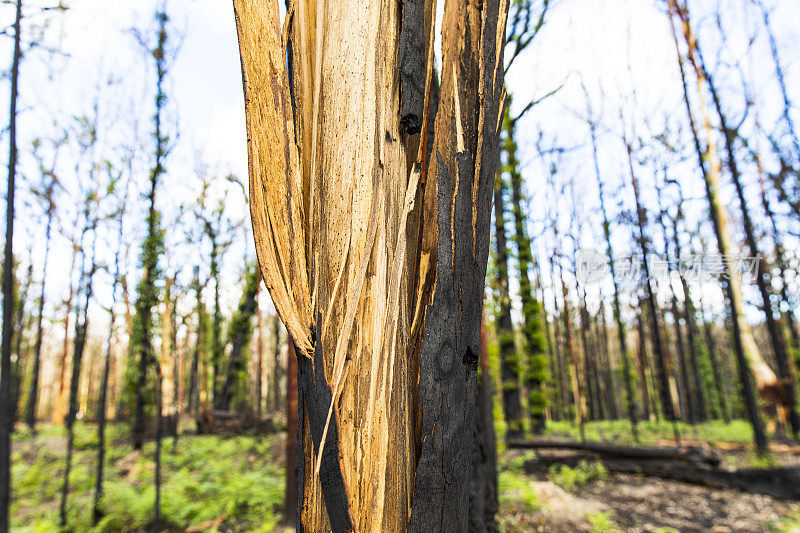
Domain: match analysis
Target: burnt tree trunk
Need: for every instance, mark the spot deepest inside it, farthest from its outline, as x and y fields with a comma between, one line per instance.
x=374, y=256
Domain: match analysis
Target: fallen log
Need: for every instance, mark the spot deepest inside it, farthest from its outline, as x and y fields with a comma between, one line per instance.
x=685, y=454
x=782, y=483
x=231, y=422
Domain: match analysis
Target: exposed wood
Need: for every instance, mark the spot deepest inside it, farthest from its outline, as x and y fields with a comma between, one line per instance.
x=335, y=193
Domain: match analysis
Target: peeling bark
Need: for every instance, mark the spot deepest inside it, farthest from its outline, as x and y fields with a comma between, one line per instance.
x=345, y=203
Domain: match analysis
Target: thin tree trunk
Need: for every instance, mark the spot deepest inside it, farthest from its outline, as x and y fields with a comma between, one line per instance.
x=8, y=286
x=81, y=326
x=61, y=399
x=563, y=387
x=101, y=414
x=630, y=397
x=18, y=369
x=217, y=348
x=644, y=364
x=589, y=390
x=259, y=355
x=661, y=356
x=686, y=392
x=785, y=367
x=572, y=363
x=696, y=386
x=509, y=358
x=536, y=365
x=276, y=368
x=293, y=437
x=151, y=247
x=200, y=333
x=241, y=329
x=608, y=367
x=716, y=370
x=33, y=390
x=748, y=358
x=157, y=459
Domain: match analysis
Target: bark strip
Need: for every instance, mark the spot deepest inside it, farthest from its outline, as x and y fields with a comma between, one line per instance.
x=315, y=397
x=411, y=55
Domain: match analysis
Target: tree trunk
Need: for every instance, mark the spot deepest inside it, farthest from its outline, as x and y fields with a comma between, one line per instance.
x=217, y=348
x=374, y=259
x=81, y=326
x=686, y=392
x=785, y=364
x=661, y=355
x=748, y=357
x=630, y=397
x=509, y=358
x=536, y=363
x=563, y=388
x=157, y=458
x=293, y=438
x=239, y=333
x=259, y=352
x=589, y=390
x=644, y=365
x=33, y=390
x=101, y=413
x=143, y=355
x=18, y=369
x=716, y=370
x=276, y=367
x=483, y=492
x=8, y=286
x=696, y=387
x=572, y=361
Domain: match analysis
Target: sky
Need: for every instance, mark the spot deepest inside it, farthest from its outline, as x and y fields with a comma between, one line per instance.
x=608, y=45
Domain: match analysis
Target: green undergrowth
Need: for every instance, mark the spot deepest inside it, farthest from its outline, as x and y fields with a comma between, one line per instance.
x=651, y=433
x=602, y=522
x=209, y=483
x=584, y=472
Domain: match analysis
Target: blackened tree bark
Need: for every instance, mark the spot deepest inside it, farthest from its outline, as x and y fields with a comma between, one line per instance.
x=696, y=385
x=324, y=219
x=483, y=491
x=716, y=367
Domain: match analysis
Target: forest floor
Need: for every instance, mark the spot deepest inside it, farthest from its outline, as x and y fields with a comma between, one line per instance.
x=588, y=498
x=236, y=483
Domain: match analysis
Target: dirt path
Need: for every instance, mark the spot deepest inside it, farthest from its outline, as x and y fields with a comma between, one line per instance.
x=647, y=504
